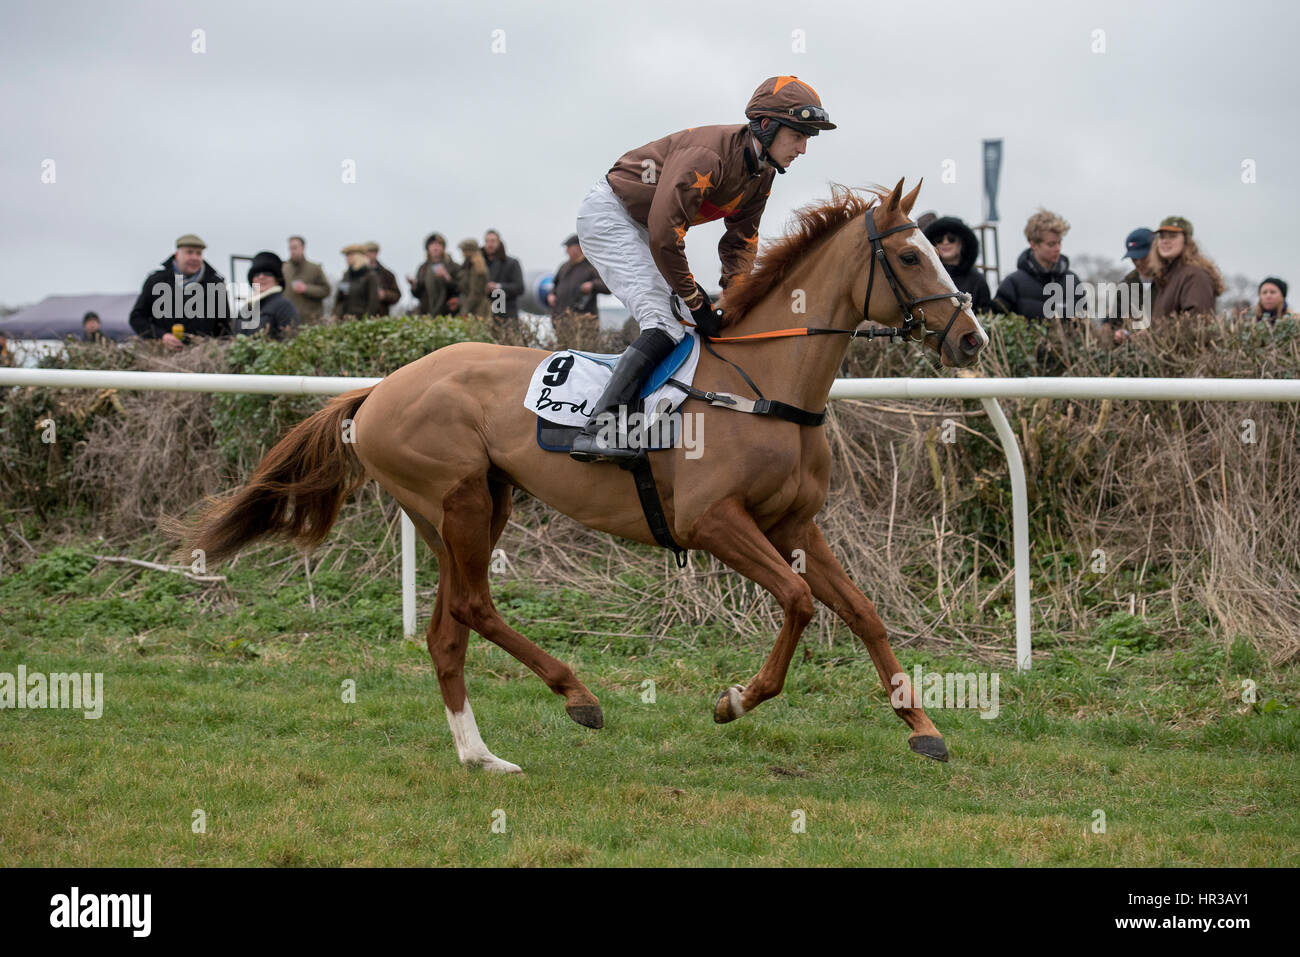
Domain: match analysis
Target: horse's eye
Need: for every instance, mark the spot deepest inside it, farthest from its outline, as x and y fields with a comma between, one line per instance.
x=910, y=259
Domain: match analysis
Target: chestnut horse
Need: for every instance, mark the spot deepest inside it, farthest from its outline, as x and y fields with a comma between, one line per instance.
x=449, y=437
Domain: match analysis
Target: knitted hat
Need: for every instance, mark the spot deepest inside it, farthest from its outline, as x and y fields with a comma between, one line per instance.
x=1281, y=284
x=189, y=239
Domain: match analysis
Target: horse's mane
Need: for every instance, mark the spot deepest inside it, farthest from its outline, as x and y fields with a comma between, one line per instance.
x=812, y=223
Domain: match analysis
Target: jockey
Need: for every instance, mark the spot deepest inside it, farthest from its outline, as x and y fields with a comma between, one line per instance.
x=633, y=223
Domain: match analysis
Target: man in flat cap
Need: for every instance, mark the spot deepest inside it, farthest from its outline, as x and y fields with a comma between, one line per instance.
x=187, y=292
x=389, y=291
x=574, y=313
x=306, y=286
x=358, y=292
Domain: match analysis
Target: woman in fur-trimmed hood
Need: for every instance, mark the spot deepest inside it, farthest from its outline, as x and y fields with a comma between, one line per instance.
x=958, y=249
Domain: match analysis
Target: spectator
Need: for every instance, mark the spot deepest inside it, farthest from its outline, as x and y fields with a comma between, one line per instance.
x=306, y=287
x=1023, y=292
x=90, y=330
x=358, y=293
x=574, y=312
x=1187, y=283
x=389, y=291
x=185, y=292
x=1137, y=247
x=437, y=282
x=958, y=249
x=1272, y=301
x=273, y=310
x=473, y=280
x=505, y=284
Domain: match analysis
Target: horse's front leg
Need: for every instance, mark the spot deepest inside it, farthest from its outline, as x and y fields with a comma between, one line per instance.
x=833, y=588
x=727, y=531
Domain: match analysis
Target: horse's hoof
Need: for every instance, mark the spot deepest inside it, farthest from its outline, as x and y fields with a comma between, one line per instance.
x=729, y=707
x=929, y=745
x=494, y=765
x=587, y=715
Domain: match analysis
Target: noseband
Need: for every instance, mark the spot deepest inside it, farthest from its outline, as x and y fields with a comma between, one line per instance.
x=905, y=302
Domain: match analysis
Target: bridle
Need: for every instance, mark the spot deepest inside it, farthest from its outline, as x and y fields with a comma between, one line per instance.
x=911, y=324
x=905, y=301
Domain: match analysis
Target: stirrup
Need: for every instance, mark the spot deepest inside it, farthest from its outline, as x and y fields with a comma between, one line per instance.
x=587, y=447
x=623, y=389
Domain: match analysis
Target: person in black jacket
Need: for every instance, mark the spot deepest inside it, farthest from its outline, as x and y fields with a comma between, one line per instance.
x=186, y=291
x=574, y=312
x=504, y=287
x=90, y=330
x=1025, y=291
x=271, y=309
x=958, y=249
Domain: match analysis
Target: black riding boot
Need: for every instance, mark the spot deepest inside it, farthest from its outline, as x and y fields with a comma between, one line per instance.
x=634, y=365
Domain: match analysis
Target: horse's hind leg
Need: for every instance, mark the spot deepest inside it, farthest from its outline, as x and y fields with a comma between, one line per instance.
x=447, y=640
x=468, y=512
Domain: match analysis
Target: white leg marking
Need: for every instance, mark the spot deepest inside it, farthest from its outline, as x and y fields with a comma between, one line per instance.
x=470, y=747
x=733, y=697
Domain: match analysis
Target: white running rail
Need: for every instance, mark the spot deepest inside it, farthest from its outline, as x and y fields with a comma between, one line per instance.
x=988, y=391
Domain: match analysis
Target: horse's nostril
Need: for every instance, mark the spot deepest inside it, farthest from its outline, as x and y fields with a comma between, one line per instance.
x=970, y=343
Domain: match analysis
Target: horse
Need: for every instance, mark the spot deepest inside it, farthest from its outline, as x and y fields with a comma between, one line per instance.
x=449, y=437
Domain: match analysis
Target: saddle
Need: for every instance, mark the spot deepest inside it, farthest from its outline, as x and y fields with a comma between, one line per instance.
x=565, y=386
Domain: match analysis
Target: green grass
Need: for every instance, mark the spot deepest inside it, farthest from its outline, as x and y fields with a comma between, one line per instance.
x=232, y=704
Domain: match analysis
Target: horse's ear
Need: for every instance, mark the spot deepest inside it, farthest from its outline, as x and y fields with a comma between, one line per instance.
x=910, y=199
x=893, y=197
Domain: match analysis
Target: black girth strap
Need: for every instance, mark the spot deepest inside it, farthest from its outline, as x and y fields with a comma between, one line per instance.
x=651, y=506
x=790, y=413
x=770, y=407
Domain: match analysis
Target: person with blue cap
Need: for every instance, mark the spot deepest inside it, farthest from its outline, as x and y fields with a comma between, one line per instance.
x=1137, y=247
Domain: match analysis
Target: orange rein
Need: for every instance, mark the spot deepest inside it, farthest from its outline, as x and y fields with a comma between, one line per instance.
x=774, y=334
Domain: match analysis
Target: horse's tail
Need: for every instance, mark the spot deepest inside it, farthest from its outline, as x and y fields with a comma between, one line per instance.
x=296, y=491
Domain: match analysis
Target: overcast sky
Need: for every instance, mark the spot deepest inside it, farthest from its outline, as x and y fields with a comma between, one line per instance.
x=245, y=143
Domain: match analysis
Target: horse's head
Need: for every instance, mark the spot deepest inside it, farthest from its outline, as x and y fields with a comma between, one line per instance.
x=908, y=287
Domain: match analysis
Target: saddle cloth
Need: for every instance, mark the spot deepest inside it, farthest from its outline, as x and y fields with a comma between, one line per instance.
x=566, y=385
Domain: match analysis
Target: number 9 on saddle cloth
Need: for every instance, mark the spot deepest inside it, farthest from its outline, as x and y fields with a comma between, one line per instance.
x=566, y=385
